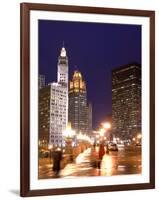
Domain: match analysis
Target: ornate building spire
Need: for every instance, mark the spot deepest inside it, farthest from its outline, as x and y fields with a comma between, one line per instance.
x=63, y=67
x=63, y=52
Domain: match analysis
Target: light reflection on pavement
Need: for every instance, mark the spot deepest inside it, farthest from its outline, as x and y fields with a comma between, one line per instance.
x=124, y=161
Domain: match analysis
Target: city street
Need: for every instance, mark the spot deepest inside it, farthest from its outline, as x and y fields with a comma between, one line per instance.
x=124, y=161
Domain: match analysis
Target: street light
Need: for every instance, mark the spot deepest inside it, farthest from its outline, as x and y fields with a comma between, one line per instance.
x=134, y=139
x=50, y=146
x=101, y=132
x=68, y=133
x=106, y=125
x=139, y=136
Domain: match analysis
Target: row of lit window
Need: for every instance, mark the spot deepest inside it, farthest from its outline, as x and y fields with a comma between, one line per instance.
x=56, y=136
x=56, y=141
x=59, y=91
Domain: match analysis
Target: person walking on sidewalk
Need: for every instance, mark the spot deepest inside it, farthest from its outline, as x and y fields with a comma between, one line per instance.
x=100, y=154
x=57, y=157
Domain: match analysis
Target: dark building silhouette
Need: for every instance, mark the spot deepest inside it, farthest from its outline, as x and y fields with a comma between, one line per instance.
x=126, y=101
x=44, y=115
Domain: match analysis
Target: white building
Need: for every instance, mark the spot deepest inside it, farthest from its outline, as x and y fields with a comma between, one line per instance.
x=62, y=72
x=59, y=101
x=58, y=113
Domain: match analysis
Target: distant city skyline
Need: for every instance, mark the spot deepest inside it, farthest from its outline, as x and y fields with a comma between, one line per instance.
x=94, y=49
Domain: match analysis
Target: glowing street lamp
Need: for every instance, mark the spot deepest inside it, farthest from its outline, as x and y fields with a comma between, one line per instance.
x=68, y=134
x=50, y=146
x=106, y=125
x=134, y=139
x=139, y=136
x=101, y=132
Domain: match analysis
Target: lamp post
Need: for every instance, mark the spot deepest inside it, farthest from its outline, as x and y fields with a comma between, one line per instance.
x=139, y=137
x=106, y=126
x=50, y=146
x=68, y=134
x=101, y=132
x=134, y=140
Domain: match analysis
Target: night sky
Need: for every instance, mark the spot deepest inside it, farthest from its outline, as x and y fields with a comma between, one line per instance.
x=92, y=48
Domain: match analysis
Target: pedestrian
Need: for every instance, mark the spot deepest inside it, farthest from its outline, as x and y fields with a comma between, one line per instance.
x=94, y=158
x=100, y=154
x=107, y=149
x=57, y=157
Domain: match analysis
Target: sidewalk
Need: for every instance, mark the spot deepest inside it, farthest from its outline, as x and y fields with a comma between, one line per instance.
x=81, y=167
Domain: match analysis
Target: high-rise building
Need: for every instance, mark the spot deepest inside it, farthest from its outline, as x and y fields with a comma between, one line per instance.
x=44, y=115
x=41, y=81
x=78, y=110
x=126, y=101
x=53, y=105
x=58, y=113
x=62, y=72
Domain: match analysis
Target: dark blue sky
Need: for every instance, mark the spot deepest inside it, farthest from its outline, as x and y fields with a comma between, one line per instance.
x=92, y=48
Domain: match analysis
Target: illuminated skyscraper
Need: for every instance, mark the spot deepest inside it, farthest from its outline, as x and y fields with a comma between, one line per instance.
x=53, y=105
x=58, y=113
x=62, y=72
x=78, y=110
x=126, y=101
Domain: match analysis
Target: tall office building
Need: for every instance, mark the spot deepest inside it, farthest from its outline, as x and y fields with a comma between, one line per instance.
x=62, y=72
x=44, y=115
x=41, y=81
x=55, y=103
x=58, y=113
x=126, y=101
x=78, y=110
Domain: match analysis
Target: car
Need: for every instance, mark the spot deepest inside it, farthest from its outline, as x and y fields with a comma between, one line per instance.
x=121, y=146
x=112, y=147
x=138, y=144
